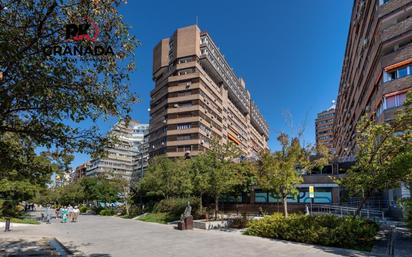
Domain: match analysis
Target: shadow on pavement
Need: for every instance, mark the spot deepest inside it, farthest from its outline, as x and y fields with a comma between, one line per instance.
x=42, y=247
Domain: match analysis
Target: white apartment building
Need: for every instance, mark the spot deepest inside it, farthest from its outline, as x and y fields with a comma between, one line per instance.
x=127, y=150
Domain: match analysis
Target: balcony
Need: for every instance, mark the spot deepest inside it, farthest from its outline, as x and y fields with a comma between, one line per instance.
x=214, y=62
x=397, y=29
x=257, y=120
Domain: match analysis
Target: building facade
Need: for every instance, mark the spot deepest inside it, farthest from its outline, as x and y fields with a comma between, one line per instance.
x=197, y=96
x=125, y=152
x=377, y=67
x=80, y=171
x=324, y=127
x=376, y=73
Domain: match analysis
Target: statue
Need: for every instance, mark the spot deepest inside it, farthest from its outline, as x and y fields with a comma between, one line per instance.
x=186, y=219
x=187, y=212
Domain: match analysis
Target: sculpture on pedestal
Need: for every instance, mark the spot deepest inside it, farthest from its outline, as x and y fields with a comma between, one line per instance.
x=186, y=219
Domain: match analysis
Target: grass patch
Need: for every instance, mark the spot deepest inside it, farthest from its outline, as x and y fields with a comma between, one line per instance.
x=156, y=217
x=22, y=221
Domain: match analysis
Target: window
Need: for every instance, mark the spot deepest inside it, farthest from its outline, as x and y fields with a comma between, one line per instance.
x=381, y=2
x=184, y=137
x=184, y=126
x=184, y=148
x=397, y=73
x=391, y=101
x=186, y=59
x=185, y=104
x=185, y=71
x=403, y=72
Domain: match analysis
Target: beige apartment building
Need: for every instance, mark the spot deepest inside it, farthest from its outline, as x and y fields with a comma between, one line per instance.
x=197, y=96
x=324, y=127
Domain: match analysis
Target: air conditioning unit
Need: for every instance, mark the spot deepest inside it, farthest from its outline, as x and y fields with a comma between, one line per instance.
x=176, y=105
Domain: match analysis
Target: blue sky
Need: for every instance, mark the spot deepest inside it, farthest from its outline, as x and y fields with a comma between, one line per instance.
x=289, y=52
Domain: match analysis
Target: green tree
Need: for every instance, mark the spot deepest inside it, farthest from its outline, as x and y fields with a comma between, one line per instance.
x=383, y=155
x=221, y=173
x=101, y=188
x=277, y=172
x=200, y=170
x=44, y=99
x=23, y=177
x=316, y=158
x=167, y=177
x=70, y=194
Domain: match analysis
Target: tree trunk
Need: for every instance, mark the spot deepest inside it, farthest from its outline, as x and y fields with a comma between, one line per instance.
x=285, y=206
x=216, y=207
x=200, y=204
x=359, y=209
x=127, y=208
x=7, y=225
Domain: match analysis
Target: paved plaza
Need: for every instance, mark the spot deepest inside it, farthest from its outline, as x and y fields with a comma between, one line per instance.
x=112, y=236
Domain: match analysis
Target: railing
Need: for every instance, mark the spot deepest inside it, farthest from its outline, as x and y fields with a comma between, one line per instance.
x=346, y=211
x=258, y=119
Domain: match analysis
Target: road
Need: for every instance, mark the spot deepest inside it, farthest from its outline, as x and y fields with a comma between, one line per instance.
x=97, y=236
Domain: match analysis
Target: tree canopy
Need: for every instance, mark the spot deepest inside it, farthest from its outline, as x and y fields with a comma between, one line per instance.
x=45, y=98
x=383, y=154
x=277, y=172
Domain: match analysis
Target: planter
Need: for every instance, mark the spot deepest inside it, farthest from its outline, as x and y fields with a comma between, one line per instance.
x=211, y=224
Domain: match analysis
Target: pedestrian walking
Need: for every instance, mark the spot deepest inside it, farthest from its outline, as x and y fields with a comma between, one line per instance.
x=76, y=213
x=57, y=212
x=47, y=214
x=64, y=213
x=70, y=211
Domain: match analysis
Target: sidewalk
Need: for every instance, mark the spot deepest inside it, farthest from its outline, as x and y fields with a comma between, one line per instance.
x=395, y=240
x=45, y=247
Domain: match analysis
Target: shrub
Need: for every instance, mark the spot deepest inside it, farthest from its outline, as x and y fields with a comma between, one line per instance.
x=238, y=223
x=176, y=206
x=83, y=209
x=346, y=232
x=134, y=211
x=106, y=212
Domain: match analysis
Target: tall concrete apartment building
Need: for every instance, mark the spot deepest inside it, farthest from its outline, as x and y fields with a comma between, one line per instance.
x=377, y=67
x=324, y=127
x=125, y=156
x=197, y=96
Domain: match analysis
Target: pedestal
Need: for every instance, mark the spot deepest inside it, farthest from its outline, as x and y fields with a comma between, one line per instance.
x=189, y=222
x=181, y=225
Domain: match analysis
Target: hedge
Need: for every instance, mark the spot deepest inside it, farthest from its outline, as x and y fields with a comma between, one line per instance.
x=174, y=207
x=328, y=230
x=106, y=212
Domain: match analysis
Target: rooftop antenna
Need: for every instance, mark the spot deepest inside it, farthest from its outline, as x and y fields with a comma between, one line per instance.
x=197, y=20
